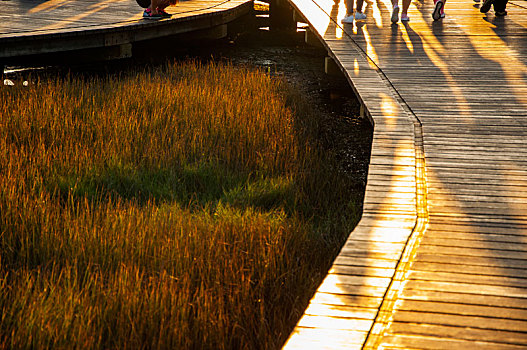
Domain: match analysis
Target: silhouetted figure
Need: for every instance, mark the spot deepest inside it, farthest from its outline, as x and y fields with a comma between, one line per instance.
x=499, y=7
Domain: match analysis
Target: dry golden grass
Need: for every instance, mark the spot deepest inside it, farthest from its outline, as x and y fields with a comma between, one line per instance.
x=183, y=207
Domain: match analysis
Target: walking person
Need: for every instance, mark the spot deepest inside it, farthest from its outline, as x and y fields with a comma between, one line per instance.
x=404, y=13
x=439, y=10
x=359, y=15
x=499, y=7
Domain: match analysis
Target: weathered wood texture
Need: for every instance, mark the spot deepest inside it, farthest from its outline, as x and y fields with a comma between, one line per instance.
x=35, y=27
x=455, y=89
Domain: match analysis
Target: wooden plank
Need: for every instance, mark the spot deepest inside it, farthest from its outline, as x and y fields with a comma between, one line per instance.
x=351, y=300
x=439, y=343
x=475, y=233
x=458, y=297
x=476, y=260
x=440, y=220
x=460, y=333
x=468, y=288
x=335, y=323
x=459, y=266
x=365, y=262
x=478, y=244
x=476, y=252
x=339, y=269
x=304, y=338
x=463, y=309
x=476, y=279
x=489, y=323
x=341, y=311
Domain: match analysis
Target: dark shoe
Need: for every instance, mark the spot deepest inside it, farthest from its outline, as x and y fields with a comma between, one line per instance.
x=501, y=13
x=163, y=13
x=149, y=15
x=485, y=7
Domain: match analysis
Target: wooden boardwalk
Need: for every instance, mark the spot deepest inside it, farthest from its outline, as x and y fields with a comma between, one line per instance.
x=439, y=259
x=29, y=27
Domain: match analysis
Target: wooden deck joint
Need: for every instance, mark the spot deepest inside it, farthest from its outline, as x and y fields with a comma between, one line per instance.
x=397, y=149
x=386, y=311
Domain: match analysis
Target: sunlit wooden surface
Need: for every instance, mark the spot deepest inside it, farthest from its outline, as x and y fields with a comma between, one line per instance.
x=43, y=26
x=439, y=259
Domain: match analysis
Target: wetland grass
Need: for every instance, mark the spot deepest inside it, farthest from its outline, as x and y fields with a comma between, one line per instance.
x=187, y=206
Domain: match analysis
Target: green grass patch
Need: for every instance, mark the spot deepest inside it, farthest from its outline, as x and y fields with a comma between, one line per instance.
x=188, y=206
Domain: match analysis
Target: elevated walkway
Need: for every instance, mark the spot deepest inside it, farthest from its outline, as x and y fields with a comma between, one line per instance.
x=29, y=27
x=439, y=259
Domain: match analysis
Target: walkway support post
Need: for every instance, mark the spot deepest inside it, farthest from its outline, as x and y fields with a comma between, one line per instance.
x=331, y=68
x=310, y=38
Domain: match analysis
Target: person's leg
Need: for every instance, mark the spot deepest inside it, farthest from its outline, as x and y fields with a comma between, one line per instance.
x=358, y=10
x=359, y=5
x=499, y=7
x=438, y=9
x=395, y=11
x=485, y=7
x=404, y=13
x=157, y=8
x=162, y=4
x=154, y=4
x=349, y=11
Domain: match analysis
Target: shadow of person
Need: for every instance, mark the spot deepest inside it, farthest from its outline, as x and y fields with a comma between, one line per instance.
x=438, y=29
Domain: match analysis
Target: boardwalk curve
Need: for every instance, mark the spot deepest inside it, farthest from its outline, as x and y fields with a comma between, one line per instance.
x=438, y=260
x=42, y=27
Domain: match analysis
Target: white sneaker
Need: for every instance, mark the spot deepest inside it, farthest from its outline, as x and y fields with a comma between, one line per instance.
x=405, y=18
x=347, y=19
x=395, y=14
x=359, y=16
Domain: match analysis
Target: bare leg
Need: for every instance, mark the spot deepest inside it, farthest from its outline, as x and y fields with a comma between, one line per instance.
x=349, y=7
x=348, y=18
x=395, y=11
x=406, y=5
x=162, y=4
x=359, y=5
x=154, y=4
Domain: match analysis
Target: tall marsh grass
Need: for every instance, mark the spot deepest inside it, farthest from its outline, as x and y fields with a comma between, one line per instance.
x=187, y=206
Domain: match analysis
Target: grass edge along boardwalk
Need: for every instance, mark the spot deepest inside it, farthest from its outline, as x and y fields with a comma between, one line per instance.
x=438, y=259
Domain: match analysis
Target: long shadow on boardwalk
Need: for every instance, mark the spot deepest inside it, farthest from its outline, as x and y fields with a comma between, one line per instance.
x=465, y=79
